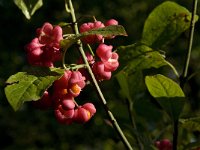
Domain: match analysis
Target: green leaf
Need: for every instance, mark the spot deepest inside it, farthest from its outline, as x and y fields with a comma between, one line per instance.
x=30, y=84
x=28, y=7
x=161, y=86
x=123, y=82
x=165, y=23
x=192, y=124
x=132, y=88
x=168, y=93
x=137, y=57
x=113, y=30
x=66, y=43
x=128, y=82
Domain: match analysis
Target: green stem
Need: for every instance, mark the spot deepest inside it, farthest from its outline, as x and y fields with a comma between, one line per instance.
x=90, y=50
x=183, y=77
x=131, y=116
x=76, y=67
x=109, y=113
x=173, y=68
x=63, y=59
x=192, y=26
x=192, y=75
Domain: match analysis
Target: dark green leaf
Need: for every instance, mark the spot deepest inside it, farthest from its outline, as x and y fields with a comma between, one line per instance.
x=106, y=31
x=113, y=30
x=30, y=84
x=165, y=23
x=28, y=7
x=123, y=82
x=128, y=82
x=192, y=124
x=192, y=146
x=146, y=109
x=66, y=43
x=137, y=57
x=168, y=93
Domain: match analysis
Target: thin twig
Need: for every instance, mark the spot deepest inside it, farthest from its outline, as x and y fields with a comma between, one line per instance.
x=131, y=116
x=191, y=34
x=110, y=115
x=183, y=77
x=173, y=68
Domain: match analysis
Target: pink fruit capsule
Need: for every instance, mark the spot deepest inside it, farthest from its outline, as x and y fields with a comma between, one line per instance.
x=68, y=104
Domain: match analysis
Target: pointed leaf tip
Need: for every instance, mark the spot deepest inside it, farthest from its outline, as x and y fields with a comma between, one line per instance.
x=28, y=7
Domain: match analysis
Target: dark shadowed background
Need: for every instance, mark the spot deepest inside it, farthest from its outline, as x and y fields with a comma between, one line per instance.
x=31, y=129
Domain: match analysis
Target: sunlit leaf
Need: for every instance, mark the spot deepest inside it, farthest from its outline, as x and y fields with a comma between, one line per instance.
x=30, y=84
x=168, y=93
x=165, y=23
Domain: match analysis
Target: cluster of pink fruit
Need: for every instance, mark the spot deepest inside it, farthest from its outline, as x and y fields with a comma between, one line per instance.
x=107, y=60
x=64, y=91
x=62, y=99
x=164, y=144
x=44, y=50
